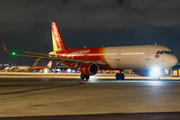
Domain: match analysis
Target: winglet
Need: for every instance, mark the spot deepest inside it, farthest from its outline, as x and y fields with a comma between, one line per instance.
x=4, y=47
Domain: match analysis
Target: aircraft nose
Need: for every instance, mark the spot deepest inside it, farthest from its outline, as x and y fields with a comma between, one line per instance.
x=173, y=60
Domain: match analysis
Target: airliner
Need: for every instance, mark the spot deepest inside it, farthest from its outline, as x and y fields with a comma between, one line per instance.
x=142, y=58
x=30, y=68
x=18, y=68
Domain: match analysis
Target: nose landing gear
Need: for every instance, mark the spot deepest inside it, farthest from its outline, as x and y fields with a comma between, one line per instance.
x=120, y=76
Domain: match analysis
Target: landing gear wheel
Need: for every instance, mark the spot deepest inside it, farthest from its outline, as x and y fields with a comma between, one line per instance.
x=84, y=78
x=87, y=77
x=120, y=76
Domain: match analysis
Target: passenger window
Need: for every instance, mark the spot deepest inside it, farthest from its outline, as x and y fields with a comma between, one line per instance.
x=158, y=52
x=171, y=52
x=167, y=52
x=162, y=52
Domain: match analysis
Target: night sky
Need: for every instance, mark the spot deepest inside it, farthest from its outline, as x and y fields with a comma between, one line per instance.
x=25, y=25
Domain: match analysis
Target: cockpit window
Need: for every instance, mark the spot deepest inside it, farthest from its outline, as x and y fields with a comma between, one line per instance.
x=162, y=52
x=167, y=52
x=158, y=52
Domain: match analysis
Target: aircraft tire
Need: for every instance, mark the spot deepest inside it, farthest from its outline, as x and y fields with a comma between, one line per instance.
x=82, y=76
x=87, y=77
x=122, y=77
x=118, y=76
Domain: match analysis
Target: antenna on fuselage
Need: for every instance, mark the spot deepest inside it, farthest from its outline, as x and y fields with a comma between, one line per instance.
x=155, y=43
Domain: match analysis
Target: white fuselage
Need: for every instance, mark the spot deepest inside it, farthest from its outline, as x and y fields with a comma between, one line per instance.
x=139, y=57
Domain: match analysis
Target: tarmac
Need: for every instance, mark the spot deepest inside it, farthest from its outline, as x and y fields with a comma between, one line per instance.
x=60, y=96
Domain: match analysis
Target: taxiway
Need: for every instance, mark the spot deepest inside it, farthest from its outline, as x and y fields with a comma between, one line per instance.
x=61, y=94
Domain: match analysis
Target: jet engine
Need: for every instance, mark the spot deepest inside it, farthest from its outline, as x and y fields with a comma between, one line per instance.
x=89, y=69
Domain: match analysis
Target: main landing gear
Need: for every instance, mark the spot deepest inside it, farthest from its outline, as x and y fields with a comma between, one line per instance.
x=83, y=77
x=120, y=76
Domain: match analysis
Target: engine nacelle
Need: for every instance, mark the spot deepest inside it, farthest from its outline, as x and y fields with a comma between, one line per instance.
x=89, y=69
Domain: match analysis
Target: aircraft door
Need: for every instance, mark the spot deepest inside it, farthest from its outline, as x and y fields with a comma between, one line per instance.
x=118, y=55
x=147, y=54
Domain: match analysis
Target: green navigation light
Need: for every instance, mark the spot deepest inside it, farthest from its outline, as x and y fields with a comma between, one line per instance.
x=13, y=53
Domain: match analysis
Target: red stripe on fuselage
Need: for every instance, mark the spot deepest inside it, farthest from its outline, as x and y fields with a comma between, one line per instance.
x=94, y=54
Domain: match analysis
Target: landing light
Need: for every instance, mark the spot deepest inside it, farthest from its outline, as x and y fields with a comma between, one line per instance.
x=155, y=72
x=73, y=71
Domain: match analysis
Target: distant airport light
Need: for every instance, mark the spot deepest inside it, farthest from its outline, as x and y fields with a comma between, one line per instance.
x=13, y=53
x=45, y=70
x=68, y=70
x=73, y=71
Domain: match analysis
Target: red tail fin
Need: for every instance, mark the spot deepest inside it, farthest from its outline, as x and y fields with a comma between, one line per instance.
x=56, y=38
x=49, y=64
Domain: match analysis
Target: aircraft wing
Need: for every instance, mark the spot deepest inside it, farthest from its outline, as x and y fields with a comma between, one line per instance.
x=37, y=53
x=40, y=56
x=102, y=63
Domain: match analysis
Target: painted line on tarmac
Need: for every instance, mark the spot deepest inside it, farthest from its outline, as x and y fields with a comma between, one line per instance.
x=30, y=90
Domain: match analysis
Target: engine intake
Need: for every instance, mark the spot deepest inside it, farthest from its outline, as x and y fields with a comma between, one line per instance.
x=89, y=69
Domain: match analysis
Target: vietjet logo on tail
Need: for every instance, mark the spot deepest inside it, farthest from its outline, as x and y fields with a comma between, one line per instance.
x=49, y=64
x=56, y=38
